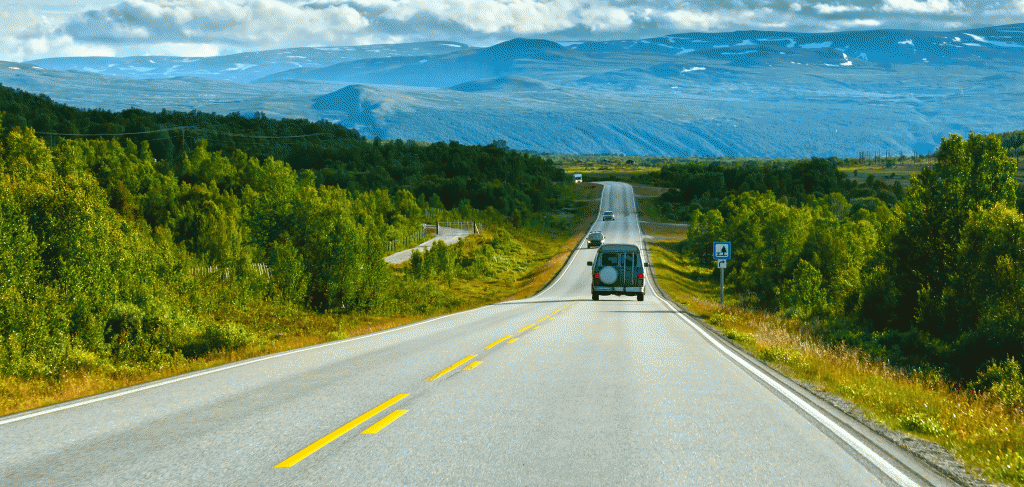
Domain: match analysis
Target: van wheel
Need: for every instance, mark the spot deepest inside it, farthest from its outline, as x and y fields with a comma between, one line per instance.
x=594, y=296
x=640, y=297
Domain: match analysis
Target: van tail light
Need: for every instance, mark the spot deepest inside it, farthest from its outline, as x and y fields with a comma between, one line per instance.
x=597, y=275
x=640, y=275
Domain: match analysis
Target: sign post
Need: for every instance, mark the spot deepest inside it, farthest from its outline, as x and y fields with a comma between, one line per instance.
x=722, y=252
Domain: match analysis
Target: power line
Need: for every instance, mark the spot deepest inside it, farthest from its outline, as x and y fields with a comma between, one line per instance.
x=192, y=128
x=168, y=129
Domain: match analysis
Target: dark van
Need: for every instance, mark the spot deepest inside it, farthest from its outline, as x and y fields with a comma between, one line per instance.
x=619, y=270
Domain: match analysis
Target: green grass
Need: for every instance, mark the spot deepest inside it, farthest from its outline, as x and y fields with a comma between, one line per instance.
x=978, y=428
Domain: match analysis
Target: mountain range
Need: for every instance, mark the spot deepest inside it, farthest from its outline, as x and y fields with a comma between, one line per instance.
x=748, y=93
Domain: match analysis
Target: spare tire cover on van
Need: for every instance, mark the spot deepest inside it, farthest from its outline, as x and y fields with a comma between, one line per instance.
x=608, y=275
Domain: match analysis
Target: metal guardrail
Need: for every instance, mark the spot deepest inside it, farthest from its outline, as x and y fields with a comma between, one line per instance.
x=261, y=269
x=466, y=226
x=408, y=240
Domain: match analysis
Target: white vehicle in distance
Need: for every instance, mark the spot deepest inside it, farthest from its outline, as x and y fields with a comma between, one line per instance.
x=578, y=178
x=608, y=215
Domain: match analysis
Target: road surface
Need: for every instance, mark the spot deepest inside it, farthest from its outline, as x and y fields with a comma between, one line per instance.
x=552, y=390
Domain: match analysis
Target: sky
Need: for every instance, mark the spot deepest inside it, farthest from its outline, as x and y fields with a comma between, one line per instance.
x=52, y=28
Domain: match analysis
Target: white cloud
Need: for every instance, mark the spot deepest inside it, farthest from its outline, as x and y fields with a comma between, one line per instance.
x=606, y=19
x=493, y=16
x=921, y=7
x=258, y=22
x=719, y=20
x=855, y=24
x=689, y=20
x=826, y=9
x=208, y=27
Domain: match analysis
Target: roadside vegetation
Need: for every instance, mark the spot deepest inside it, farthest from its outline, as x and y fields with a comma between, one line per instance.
x=905, y=300
x=979, y=427
x=120, y=266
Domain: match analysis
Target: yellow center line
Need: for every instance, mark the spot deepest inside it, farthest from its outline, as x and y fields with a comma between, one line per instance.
x=449, y=369
x=542, y=319
x=513, y=340
x=497, y=342
x=524, y=329
x=379, y=425
x=322, y=442
x=473, y=365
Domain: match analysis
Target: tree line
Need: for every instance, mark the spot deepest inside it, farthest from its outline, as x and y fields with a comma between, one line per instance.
x=703, y=186
x=483, y=176
x=932, y=279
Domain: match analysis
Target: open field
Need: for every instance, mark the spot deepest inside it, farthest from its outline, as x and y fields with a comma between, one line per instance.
x=639, y=169
x=975, y=427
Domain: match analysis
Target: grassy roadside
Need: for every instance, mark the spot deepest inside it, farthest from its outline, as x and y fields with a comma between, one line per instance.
x=976, y=428
x=283, y=328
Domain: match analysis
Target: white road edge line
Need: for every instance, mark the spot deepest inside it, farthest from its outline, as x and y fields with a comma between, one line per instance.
x=895, y=474
x=220, y=368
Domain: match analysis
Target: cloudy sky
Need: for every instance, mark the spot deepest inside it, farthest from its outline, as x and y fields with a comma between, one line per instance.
x=53, y=28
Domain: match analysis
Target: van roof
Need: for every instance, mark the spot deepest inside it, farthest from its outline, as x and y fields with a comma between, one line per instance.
x=618, y=248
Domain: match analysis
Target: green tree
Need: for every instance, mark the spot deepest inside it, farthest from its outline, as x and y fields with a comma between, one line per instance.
x=288, y=270
x=804, y=295
x=907, y=288
x=705, y=229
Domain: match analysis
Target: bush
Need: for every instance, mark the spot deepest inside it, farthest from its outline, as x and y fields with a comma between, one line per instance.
x=804, y=295
x=218, y=337
x=1003, y=380
x=781, y=355
x=922, y=423
x=288, y=271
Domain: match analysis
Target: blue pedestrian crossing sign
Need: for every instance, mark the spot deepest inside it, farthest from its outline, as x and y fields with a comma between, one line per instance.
x=722, y=250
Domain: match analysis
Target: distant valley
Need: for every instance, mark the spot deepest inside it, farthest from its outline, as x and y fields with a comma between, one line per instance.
x=752, y=93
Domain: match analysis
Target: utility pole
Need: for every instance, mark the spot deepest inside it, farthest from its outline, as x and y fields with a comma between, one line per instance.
x=721, y=279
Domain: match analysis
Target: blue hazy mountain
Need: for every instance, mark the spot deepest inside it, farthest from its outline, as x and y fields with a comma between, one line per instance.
x=747, y=93
x=517, y=56
x=244, y=67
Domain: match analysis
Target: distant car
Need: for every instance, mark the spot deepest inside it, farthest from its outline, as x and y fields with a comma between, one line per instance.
x=595, y=239
x=608, y=216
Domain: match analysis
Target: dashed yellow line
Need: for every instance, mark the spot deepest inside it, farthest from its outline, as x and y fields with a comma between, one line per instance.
x=449, y=369
x=322, y=442
x=524, y=329
x=379, y=425
x=497, y=342
x=473, y=365
x=513, y=340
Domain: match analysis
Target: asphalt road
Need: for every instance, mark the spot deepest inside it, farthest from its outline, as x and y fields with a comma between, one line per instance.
x=552, y=390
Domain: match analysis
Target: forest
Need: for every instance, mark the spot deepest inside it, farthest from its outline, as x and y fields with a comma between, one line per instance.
x=485, y=176
x=929, y=277
x=123, y=251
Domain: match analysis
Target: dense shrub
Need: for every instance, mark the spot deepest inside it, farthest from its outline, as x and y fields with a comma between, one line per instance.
x=935, y=282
